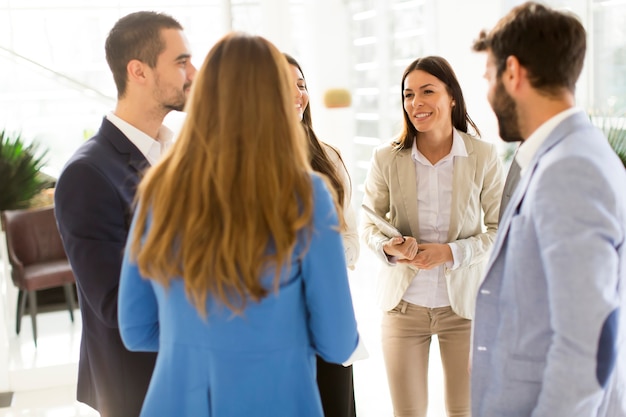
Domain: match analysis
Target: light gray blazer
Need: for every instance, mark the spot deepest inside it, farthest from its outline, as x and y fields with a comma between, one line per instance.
x=391, y=191
x=548, y=328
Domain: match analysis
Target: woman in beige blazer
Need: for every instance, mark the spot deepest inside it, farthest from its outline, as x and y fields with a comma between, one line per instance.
x=441, y=188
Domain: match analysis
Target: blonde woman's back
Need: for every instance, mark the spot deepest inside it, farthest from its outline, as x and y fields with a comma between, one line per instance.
x=238, y=298
x=259, y=363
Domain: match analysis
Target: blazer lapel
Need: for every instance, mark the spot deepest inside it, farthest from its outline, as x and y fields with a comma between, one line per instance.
x=136, y=160
x=464, y=170
x=513, y=204
x=139, y=165
x=563, y=129
x=407, y=182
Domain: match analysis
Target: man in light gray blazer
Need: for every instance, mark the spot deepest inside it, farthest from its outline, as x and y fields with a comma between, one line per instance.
x=549, y=332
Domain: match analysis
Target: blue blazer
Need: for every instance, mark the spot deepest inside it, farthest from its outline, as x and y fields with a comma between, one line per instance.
x=93, y=206
x=549, y=331
x=261, y=363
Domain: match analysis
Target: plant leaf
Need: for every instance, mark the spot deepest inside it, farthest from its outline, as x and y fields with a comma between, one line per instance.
x=19, y=169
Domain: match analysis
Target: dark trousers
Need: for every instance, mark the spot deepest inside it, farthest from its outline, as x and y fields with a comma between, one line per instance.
x=336, y=388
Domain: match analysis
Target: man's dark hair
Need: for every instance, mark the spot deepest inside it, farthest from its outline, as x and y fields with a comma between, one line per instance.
x=549, y=44
x=136, y=36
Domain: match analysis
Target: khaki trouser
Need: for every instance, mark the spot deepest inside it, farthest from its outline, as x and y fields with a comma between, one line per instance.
x=406, y=335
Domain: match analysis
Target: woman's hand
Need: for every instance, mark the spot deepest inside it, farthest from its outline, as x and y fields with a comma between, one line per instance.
x=401, y=247
x=430, y=256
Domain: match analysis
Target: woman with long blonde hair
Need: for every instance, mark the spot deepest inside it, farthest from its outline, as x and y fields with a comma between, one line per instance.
x=234, y=271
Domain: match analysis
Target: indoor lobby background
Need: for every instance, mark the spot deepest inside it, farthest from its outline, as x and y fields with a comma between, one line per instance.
x=55, y=87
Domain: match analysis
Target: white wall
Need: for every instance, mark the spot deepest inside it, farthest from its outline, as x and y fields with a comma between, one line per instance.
x=329, y=66
x=455, y=34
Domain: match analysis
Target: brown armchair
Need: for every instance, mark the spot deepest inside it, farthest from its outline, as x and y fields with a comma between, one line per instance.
x=38, y=260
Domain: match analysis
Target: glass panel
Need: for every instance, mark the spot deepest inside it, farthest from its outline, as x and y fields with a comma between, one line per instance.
x=395, y=77
x=299, y=22
x=247, y=18
x=363, y=152
x=609, y=60
x=403, y=19
x=387, y=36
x=365, y=53
x=407, y=48
x=364, y=27
x=366, y=78
x=53, y=54
x=367, y=128
x=361, y=6
x=366, y=103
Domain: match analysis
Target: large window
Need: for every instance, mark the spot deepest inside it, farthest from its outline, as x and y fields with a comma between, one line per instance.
x=386, y=35
x=608, y=43
x=56, y=86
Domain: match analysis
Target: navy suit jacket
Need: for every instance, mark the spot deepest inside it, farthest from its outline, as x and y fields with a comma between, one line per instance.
x=93, y=205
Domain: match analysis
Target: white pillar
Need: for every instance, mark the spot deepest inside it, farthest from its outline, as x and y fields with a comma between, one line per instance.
x=227, y=15
x=327, y=63
x=276, y=23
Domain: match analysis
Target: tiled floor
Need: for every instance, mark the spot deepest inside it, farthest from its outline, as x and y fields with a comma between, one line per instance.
x=45, y=377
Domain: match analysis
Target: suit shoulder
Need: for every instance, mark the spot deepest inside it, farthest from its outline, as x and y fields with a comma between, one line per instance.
x=94, y=152
x=100, y=141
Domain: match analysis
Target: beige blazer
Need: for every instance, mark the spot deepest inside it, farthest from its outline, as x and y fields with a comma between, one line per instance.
x=391, y=191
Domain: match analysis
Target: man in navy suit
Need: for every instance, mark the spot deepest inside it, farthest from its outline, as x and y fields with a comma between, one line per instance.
x=149, y=57
x=550, y=327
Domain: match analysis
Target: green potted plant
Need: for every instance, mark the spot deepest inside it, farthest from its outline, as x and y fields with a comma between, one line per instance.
x=617, y=138
x=614, y=129
x=20, y=166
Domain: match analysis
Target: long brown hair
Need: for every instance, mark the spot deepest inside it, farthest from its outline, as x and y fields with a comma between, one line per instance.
x=320, y=161
x=231, y=197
